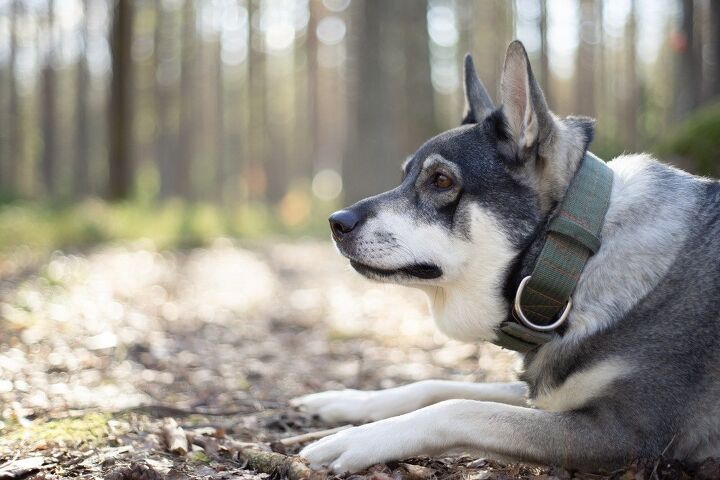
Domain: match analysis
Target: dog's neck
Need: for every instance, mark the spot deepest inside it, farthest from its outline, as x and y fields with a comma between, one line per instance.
x=644, y=229
x=645, y=226
x=468, y=307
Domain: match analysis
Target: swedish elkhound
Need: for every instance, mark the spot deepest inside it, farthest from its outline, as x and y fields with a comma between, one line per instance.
x=634, y=372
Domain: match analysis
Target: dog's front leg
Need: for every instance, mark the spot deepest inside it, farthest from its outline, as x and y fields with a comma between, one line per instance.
x=572, y=439
x=357, y=406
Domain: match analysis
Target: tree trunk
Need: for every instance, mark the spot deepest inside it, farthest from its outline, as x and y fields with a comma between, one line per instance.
x=164, y=138
x=380, y=116
x=279, y=91
x=489, y=44
x=221, y=170
x=687, y=71
x=715, y=30
x=366, y=162
x=253, y=171
x=188, y=93
x=81, y=177
x=14, y=159
x=120, y=122
x=585, y=71
x=49, y=107
x=419, y=114
x=544, y=62
x=631, y=95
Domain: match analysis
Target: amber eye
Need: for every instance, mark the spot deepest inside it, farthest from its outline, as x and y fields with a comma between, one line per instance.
x=442, y=181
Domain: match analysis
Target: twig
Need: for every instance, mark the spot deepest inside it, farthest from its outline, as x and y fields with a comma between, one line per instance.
x=306, y=437
x=261, y=460
x=167, y=410
x=175, y=437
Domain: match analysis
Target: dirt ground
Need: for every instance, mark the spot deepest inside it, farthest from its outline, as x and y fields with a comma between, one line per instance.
x=108, y=357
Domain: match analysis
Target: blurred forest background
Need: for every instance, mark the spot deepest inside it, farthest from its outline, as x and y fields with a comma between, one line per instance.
x=137, y=136
x=249, y=117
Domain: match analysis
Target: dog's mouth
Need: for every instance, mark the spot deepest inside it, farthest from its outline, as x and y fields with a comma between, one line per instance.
x=425, y=271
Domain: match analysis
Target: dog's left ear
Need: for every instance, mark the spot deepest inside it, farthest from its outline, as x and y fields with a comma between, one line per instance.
x=478, y=104
x=524, y=106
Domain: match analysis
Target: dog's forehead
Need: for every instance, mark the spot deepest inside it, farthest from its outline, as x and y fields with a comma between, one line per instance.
x=456, y=145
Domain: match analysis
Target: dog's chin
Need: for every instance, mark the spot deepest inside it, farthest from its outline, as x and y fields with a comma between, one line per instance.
x=406, y=274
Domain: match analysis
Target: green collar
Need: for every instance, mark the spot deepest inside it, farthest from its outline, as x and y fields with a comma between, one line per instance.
x=543, y=299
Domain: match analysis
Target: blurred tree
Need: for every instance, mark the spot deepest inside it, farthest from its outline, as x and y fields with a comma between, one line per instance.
x=715, y=41
x=120, y=173
x=165, y=136
x=375, y=146
x=586, y=58
x=253, y=173
x=81, y=177
x=418, y=117
x=240, y=100
x=221, y=170
x=9, y=174
x=544, y=61
x=328, y=98
x=688, y=70
x=631, y=92
x=302, y=142
x=279, y=90
x=490, y=44
x=188, y=96
x=312, y=117
x=49, y=107
x=367, y=165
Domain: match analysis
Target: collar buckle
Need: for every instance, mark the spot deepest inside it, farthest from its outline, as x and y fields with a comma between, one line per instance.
x=517, y=309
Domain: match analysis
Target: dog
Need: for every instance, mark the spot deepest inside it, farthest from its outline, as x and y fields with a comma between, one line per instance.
x=635, y=370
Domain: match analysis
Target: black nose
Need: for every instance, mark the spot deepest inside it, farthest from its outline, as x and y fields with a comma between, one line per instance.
x=342, y=222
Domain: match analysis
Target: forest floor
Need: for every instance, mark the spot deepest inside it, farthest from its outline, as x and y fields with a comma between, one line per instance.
x=126, y=362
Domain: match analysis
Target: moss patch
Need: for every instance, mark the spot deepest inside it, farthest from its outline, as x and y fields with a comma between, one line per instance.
x=90, y=429
x=697, y=139
x=198, y=457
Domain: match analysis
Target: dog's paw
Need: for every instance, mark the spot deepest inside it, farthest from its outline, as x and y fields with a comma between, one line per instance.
x=353, y=406
x=357, y=448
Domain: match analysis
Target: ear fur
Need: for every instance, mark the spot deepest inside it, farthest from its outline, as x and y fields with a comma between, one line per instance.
x=541, y=149
x=523, y=103
x=478, y=103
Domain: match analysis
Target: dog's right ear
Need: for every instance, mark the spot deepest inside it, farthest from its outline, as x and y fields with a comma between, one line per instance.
x=478, y=104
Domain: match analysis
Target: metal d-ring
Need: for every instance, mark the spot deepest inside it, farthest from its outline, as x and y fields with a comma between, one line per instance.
x=528, y=323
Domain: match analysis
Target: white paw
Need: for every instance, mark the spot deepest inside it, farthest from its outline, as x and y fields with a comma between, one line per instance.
x=355, y=406
x=357, y=448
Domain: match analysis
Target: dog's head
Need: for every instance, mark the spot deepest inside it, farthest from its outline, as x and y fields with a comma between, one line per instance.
x=469, y=202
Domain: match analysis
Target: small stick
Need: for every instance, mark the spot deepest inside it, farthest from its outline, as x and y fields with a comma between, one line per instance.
x=306, y=437
x=175, y=437
x=261, y=460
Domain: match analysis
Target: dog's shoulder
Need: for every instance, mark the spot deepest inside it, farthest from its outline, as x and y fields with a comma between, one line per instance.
x=659, y=239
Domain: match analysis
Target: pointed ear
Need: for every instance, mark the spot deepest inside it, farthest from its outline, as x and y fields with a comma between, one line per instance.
x=523, y=101
x=478, y=104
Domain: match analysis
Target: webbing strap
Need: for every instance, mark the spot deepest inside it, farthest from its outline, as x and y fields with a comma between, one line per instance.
x=573, y=236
